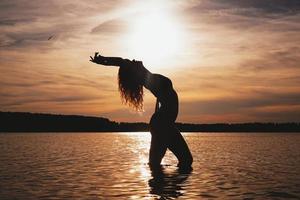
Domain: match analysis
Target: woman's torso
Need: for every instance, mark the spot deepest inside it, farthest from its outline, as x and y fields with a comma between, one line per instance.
x=162, y=88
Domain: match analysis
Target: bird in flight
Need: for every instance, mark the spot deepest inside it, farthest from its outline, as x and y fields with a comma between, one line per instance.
x=50, y=37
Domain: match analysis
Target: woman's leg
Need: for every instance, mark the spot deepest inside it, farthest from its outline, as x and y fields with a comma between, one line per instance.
x=158, y=149
x=179, y=147
x=158, y=146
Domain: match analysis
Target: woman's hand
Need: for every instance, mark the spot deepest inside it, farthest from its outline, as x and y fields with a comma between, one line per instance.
x=97, y=58
x=108, y=61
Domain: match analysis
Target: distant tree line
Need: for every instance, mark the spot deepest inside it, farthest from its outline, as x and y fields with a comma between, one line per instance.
x=240, y=127
x=35, y=122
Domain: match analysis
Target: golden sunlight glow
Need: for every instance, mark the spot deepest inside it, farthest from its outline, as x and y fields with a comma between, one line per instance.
x=155, y=37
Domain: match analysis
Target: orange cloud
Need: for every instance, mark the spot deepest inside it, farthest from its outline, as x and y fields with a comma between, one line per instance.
x=240, y=64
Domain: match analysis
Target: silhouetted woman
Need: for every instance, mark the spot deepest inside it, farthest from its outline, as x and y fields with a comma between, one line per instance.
x=132, y=77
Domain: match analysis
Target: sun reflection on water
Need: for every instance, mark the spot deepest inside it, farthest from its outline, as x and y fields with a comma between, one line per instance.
x=143, y=144
x=115, y=166
x=163, y=182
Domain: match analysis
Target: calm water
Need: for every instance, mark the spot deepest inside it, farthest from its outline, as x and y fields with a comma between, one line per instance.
x=114, y=166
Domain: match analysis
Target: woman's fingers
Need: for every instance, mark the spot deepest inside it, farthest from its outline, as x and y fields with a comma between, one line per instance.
x=96, y=56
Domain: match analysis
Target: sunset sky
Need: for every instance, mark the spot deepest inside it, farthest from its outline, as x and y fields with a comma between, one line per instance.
x=229, y=60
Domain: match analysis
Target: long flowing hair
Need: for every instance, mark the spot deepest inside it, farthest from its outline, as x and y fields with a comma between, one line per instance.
x=130, y=87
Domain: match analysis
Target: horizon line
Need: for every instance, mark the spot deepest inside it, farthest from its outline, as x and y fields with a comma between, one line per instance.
x=94, y=116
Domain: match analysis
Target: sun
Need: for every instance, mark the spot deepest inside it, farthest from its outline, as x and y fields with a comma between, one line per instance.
x=155, y=37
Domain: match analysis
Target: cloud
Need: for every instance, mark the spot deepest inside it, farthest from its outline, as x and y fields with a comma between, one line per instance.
x=252, y=107
x=245, y=15
x=268, y=6
x=250, y=8
x=29, y=24
x=241, y=62
x=111, y=26
x=285, y=59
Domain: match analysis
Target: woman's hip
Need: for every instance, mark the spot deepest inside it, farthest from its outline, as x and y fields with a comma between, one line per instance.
x=162, y=118
x=161, y=123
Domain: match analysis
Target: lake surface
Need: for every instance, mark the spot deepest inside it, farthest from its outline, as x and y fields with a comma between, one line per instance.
x=114, y=166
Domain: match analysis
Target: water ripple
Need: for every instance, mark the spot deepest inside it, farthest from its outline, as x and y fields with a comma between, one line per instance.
x=114, y=166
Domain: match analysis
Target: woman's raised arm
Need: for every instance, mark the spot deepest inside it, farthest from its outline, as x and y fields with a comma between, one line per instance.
x=109, y=61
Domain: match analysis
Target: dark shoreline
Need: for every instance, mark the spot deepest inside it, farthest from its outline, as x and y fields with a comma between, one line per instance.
x=37, y=122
